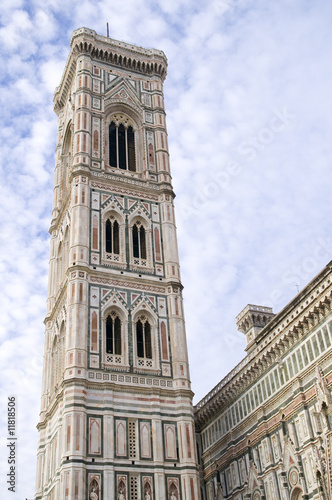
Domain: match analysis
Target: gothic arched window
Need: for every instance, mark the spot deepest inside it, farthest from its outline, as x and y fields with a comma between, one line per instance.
x=112, y=236
x=66, y=161
x=122, y=146
x=139, y=241
x=113, y=334
x=143, y=339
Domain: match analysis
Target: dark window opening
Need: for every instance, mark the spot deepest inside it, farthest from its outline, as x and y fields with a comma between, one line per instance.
x=143, y=337
x=131, y=149
x=122, y=147
x=140, y=343
x=112, y=143
x=113, y=335
x=139, y=241
x=135, y=241
x=122, y=160
x=112, y=236
x=142, y=243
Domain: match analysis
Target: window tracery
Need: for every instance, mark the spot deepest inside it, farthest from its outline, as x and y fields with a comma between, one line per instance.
x=66, y=161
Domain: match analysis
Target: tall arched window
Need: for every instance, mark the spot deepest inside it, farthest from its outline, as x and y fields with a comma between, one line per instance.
x=122, y=146
x=54, y=364
x=139, y=241
x=60, y=266
x=112, y=236
x=66, y=161
x=113, y=334
x=143, y=339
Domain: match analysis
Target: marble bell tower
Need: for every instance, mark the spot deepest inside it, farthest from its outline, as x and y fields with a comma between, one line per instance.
x=116, y=417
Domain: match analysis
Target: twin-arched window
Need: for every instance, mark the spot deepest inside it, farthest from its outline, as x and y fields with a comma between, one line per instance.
x=112, y=238
x=143, y=337
x=122, y=146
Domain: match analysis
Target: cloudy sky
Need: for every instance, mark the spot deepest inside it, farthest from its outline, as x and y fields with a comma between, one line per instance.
x=248, y=99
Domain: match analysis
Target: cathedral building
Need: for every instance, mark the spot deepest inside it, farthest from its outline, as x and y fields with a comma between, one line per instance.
x=264, y=431
x=117, y=420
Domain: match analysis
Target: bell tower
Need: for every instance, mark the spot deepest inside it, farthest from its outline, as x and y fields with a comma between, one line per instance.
x=116, y=417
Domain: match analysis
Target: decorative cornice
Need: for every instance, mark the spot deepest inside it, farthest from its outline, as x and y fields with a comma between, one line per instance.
x=127, y=284
x=125, y=179
x=124, y=55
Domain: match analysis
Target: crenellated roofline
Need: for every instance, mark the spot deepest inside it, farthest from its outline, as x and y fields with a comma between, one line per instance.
x=150, y=62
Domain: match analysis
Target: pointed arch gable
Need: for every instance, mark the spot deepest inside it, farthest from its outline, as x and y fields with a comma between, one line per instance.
x=114, y=301
x=289, y=458
x=143, y=307
x=121, y=97
x=139, y=214
x=254, y=482
x=113, y=208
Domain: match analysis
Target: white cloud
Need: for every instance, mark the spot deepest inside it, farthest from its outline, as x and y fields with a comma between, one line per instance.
x=27, y=92
x=15, y=34
x=246, y=234
x=45, y=26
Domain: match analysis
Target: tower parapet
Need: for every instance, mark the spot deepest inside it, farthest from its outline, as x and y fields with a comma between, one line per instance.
x=251, y=320
x=128, y=57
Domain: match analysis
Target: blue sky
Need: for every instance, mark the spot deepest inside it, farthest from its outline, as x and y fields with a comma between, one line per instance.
x=248, y=100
